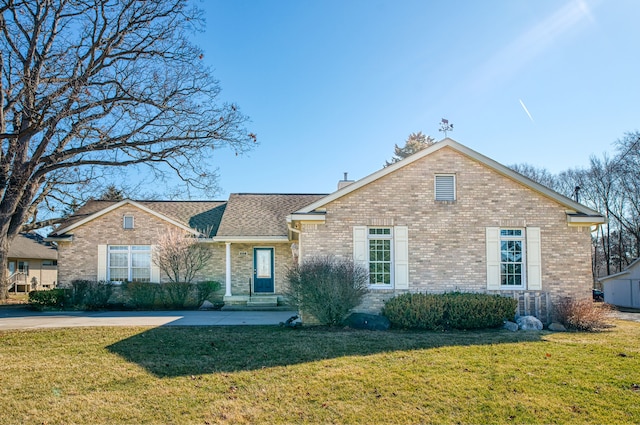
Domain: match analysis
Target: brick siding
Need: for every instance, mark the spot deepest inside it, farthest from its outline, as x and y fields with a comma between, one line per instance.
x=447, y=239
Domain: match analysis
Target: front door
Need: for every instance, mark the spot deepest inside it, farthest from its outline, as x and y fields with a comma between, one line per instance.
x=263, y=270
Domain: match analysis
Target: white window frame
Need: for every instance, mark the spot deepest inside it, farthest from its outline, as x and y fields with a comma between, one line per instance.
x=375, y=237
x=130, y=250
x=523, y=263
x=435, y=188
x=124, y=222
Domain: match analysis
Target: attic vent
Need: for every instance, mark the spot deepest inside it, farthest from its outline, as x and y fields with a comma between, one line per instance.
x=445, y=187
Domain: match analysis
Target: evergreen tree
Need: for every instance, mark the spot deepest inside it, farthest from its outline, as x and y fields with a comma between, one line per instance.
x=414, y=143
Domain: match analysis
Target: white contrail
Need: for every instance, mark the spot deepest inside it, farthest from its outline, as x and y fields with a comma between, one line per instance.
x=526, y=110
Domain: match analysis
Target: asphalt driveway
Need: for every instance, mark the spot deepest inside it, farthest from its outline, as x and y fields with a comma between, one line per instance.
x=22, y=318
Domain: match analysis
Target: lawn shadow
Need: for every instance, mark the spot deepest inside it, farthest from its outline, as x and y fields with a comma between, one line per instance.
x=172, y=351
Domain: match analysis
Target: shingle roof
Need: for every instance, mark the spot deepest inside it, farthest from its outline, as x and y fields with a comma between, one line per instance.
x=250, y=214
x=200, y=215
x=31, y=245
x=243, y=215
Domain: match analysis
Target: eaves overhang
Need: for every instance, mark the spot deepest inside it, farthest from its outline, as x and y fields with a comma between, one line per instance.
x=315, y=217
x=248, y=239
x=65, y=238
x=574, y=219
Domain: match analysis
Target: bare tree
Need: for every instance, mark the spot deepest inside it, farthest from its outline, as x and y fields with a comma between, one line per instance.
x=180, y=256
x=539, y=175
x=414, y=143
x=87, y=86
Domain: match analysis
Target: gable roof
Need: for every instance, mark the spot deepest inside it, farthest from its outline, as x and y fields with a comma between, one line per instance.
x=31, y=245
x=244, y=216
x=623, y=272
x=260, y=216
x=198, y=217
x=582, y=213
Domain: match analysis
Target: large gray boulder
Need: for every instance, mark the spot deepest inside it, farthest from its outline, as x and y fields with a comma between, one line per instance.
x=557, y=327
x=510, y=326
x=372, y=322
x=529, y=323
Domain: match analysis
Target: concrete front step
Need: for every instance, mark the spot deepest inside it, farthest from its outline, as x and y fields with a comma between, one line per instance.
x=255, y=302
x=263, y=301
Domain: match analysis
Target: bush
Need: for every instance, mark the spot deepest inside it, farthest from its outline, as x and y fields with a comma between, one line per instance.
x=141, y=294
x=50, y=298
x=416, y=311
x=582, y=315
x=454, y=310
x=175, y=294
x=205, y=289
x=90, y=295
x=327, y=287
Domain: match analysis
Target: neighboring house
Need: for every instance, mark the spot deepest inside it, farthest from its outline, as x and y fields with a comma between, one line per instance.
x=444, y=219
x=623, y=289
x=32, y=264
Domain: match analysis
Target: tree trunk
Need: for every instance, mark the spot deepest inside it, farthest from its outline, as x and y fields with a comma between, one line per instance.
x=4, y=271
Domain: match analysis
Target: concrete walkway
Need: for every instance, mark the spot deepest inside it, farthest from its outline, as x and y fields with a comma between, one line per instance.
x=22, y=318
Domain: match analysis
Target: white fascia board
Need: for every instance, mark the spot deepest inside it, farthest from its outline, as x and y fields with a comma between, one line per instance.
x=250, y=239
x=67, y=238
x=118, y=205
x=585, y=220
x=317, y=218
x=612, y=276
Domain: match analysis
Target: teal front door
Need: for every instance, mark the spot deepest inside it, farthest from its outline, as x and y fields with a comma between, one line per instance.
x=263, y=270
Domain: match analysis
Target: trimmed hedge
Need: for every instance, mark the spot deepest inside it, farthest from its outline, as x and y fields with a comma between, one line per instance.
x=48, y=298
x=454, y=310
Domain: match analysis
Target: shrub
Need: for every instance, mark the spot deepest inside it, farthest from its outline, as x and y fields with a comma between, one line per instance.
x=49, y=298
x=175, y=294
x=88, y=294
x=97, y=295
x=454, y=310
x=416, y=311
x=327, y=287
x=477, y=311
x=141, y=294
x=205, y=289
x=582, y=315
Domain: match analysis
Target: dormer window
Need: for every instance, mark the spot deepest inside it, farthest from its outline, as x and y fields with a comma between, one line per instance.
x=445, y=187
x=127, y=222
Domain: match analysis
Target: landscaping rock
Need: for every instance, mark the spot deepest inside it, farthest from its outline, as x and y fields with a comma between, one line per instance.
x=510, y=326
x=207, y=305
x=373, y=322
x=529, y=323
x=557, y=327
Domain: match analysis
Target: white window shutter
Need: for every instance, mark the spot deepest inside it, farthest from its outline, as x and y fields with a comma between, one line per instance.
x=401, y=257
x=155, y=270
x=534, y=263
x=102, y=263
x=493, y=257
x=360, y=246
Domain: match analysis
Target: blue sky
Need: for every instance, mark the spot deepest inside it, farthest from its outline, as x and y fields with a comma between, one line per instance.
x=332, y=85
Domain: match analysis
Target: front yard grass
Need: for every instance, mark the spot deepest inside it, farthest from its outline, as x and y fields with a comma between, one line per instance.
x=207, y=375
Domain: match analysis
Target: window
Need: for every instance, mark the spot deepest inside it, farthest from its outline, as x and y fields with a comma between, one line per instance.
x=512, y=257
x=127, y=222
x=49, y=262
x=23, y=267
x=380, y=239
x=129, y=263
x=445, y=187
x=384, y=252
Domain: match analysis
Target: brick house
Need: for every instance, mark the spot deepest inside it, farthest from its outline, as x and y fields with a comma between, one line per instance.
x=444, y=219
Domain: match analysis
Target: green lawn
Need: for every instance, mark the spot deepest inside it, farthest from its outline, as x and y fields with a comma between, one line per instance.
x=274, y=375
